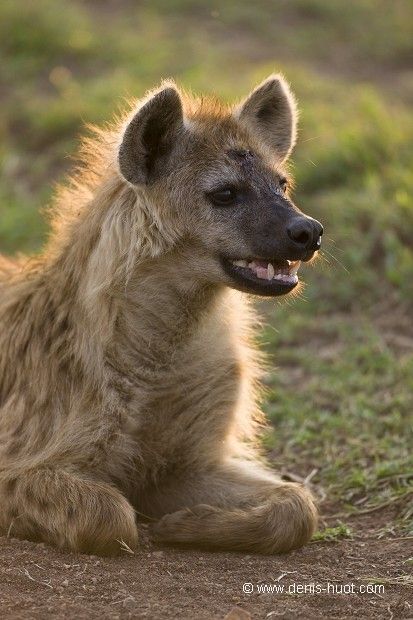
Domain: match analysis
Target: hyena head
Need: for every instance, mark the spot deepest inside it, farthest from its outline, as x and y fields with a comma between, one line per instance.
x=217, y=175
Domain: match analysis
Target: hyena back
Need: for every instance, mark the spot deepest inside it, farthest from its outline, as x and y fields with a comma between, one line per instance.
x=128, y=377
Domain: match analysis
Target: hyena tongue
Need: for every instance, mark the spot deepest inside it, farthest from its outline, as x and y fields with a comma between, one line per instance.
x=260, y=268
x=262, y=273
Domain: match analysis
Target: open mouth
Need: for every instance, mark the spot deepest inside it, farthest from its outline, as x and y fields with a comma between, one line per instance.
x=262, y=277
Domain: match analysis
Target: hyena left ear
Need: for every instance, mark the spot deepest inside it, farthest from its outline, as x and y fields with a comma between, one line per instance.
x=150, y=135
x=271, y=112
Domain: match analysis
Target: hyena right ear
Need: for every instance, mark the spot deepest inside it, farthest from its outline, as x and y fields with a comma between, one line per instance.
x=270, y=111
x=150, y=135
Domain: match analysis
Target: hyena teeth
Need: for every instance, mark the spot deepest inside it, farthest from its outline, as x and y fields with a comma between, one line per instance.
x=287, y=278
x=284, y=274
x=295, y=267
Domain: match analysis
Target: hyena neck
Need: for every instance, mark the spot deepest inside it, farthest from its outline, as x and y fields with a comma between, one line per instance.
x=161, y=311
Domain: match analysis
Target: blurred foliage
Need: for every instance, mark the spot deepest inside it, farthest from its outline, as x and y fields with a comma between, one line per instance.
x=69, y=62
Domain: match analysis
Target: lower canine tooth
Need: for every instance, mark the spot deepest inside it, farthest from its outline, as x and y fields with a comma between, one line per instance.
x=295, y=268
x=270, y=271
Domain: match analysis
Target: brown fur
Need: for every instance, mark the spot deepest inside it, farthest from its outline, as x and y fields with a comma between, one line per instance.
x=127, y=370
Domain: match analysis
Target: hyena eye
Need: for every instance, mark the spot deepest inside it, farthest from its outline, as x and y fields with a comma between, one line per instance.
x=283, y=185
x=224, y=197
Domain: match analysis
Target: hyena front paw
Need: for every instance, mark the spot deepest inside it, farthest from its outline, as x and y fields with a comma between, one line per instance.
x=285, y=521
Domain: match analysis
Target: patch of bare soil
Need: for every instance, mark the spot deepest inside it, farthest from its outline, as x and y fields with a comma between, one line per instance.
x=39, y=582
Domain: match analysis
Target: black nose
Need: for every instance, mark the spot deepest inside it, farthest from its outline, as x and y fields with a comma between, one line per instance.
x=305, y=233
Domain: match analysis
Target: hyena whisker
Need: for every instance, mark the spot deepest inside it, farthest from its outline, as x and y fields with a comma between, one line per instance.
x=335, y=259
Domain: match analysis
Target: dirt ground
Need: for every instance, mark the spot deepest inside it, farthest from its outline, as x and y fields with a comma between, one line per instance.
x=41, y=583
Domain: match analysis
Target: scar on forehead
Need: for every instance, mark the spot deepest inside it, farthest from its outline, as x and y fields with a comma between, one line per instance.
x=241, y=154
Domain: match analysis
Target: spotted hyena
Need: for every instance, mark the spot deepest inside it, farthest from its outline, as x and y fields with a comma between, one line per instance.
x=128, y=377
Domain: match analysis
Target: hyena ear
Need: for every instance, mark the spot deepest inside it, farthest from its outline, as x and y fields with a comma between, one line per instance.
x=150, y=135
x=271, y=112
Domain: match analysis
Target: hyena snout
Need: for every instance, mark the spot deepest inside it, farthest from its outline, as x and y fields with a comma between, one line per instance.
x=304, y=234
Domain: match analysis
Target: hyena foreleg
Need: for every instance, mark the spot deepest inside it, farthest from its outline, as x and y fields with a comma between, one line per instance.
x=236, y=507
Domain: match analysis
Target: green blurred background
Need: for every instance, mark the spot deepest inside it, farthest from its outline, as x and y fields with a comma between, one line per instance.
x=342, y=398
